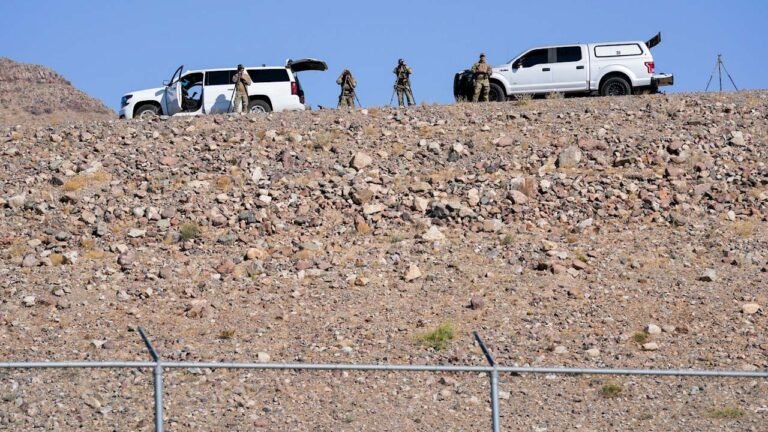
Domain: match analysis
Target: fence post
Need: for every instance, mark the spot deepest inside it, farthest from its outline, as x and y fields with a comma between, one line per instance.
x=496, y=421
x=158, y=379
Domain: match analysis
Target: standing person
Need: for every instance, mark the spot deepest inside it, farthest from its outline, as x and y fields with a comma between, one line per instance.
x=348, y=84
x=242, y=80
x=403, y=83
x=482, y=73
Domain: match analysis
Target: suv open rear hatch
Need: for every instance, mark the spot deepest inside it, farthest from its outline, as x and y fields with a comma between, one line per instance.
x=306, y=65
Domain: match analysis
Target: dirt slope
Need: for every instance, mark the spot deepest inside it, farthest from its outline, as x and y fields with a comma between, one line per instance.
x=32, y=94
x=627, y=232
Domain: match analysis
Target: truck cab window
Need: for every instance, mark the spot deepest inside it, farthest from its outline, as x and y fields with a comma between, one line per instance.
x=533, y=58
x=568, y=54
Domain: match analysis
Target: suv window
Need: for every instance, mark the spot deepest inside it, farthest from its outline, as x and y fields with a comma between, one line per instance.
x=268, y=75
x=568, y=54
x=220, y=77
x=535, y=57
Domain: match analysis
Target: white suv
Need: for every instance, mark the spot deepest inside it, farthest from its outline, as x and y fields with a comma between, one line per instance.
x=610, y=69
x=210, y=91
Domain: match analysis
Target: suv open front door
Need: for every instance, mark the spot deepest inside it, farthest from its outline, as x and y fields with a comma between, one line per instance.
x=173, y=93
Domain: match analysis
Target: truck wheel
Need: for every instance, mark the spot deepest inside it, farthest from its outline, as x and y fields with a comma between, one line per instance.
x=496, y=93
x=616, y=86
x=259, y=106
x=147, y=111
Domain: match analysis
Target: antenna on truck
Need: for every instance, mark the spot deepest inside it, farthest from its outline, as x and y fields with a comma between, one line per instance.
x=720, y=68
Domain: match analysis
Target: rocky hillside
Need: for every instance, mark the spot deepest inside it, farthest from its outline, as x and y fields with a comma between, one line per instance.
x=627, y=232
x=32, y=94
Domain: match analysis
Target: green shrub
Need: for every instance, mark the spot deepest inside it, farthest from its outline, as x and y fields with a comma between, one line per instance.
x=727, y=413
x=438, y=338
x=611, y=390
x=640, y=337
x=189, y=231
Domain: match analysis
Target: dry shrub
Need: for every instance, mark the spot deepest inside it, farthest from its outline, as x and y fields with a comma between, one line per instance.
x=83, y=180
x=223, y=183
x=555, y=95
x=227, y=334
x=744, y=229
x=56, y=259
x=326, y=140
x=425, y=132
x=523, y=99
x=95, y=254
x=370, y=131
x=17, y=249
x=529, y=187
x=238, y=176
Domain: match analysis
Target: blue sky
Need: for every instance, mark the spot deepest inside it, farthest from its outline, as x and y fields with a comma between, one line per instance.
x=107, y=48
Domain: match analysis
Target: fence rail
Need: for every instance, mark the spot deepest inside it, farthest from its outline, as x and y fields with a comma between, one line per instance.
x=493, y=370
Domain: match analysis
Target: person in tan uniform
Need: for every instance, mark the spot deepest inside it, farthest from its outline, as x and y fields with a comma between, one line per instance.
x=403, y=83
x=348, y=84
x=242, y=80
x=482, y=73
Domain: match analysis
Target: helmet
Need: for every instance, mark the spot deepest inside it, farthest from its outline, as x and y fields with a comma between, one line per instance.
x=240, y=67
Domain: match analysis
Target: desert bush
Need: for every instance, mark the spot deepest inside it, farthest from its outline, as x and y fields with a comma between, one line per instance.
x=227, y=334
x=744, y=229
x=83, y=180
x=438, y=338
x=523, y=98
x=640, y=337
x=189, y=231
x=727, y=413
x=611, y=390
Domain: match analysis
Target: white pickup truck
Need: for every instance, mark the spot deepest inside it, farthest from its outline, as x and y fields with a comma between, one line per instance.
x=609, y=69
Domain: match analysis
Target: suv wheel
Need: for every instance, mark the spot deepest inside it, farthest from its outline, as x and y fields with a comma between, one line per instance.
x=259, y=106
x=147, y=111
x=496, y=93
x=616, y=86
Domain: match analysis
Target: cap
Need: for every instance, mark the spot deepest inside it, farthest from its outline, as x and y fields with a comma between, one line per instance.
x=482, y=55
x=401, y=61
x=240, y=67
